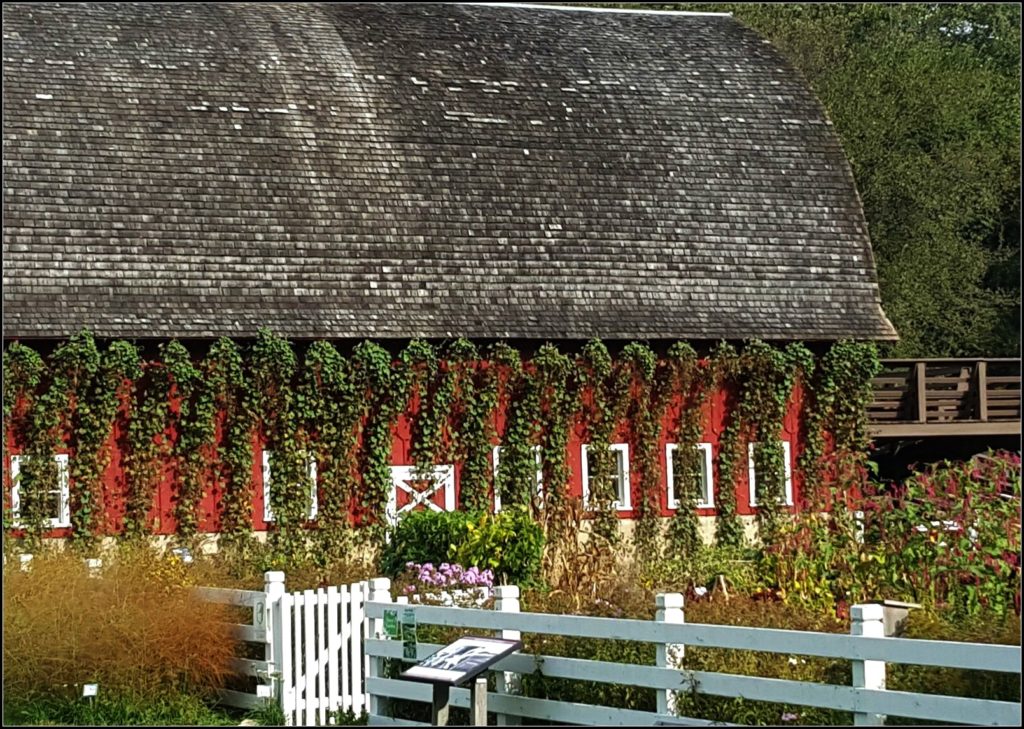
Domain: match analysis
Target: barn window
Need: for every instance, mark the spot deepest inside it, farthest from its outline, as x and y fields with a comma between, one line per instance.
x=706, y=494
x=495, y=458
x=268, y=514
x=57, y=499
x=619, y=476
x=752, y=472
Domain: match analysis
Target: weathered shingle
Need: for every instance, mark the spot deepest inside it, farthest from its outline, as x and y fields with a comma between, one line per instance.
x=420, y=170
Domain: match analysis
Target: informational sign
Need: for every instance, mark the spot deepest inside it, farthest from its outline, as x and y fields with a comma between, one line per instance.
x=462, y=660
x=409, y=634
x=391, y=629
x=90, y=689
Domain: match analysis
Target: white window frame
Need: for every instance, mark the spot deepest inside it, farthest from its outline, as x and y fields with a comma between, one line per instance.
x=707, y=496
x=752, y=476
x=63, y=490
x=496, y=456
x=314, y=505
x=624, y=502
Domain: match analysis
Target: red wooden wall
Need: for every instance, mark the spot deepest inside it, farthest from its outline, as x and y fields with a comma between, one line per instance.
x=714, y=419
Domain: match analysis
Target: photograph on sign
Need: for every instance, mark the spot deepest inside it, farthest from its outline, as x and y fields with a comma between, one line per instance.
x=408, y=628
x=462, y=660
x=391, y=624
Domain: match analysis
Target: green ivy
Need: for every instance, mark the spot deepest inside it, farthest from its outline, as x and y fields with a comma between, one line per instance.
x=341, y=412
x=228, y=385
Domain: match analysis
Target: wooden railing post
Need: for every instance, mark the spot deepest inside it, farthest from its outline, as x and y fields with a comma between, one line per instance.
x=274, y=621
x=668, y=655
x=868, y=620
x=379, y=590
x=982, y=384
x=507, y=601
x=920, y=380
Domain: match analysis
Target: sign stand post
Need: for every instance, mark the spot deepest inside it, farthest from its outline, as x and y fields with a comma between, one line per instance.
x=439, y=706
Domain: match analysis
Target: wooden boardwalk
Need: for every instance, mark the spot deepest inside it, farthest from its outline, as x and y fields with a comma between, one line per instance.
x=942, y=397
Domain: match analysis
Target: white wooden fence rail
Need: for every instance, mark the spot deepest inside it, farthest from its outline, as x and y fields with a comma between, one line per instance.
x=256, y=630
x=325, y=652
x=867, y=699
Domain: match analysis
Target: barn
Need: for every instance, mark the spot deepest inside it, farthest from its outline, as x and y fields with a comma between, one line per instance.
x=312, y=185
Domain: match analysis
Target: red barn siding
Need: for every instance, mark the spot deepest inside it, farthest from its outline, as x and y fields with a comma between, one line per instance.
x=114, y=480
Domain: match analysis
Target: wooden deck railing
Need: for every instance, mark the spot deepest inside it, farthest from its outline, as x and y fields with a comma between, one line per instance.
x=946, y=397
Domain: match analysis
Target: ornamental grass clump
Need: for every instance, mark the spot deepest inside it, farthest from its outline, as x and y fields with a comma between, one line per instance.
x=137, y=630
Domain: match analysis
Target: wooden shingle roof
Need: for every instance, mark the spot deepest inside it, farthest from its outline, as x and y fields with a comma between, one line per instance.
x=199, y=170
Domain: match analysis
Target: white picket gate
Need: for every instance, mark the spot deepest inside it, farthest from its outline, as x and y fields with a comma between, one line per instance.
x=314, y=662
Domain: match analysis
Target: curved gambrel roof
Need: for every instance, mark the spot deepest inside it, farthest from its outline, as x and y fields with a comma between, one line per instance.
x=420, y=170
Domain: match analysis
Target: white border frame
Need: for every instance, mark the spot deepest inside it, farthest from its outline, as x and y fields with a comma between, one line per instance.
x=496, y=455
x=787, y=458
x=708, y=486
x=63, y=518
x=622, y=448
x=314, y=504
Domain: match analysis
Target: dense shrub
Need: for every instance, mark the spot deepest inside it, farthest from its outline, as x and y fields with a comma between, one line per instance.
x=927, y=625
x=948, y=537
x=422, y=537
x=510, y=543
x=136, y=630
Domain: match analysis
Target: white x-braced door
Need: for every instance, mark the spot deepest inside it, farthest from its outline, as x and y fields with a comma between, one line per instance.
x=421, y=490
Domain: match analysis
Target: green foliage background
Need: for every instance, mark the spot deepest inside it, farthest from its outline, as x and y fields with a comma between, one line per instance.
x=926, y=99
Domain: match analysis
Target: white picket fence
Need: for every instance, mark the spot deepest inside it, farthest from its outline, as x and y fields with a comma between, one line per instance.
x=326, y=649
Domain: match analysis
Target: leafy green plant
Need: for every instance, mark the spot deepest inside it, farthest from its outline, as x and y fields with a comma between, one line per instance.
x=424, y=537
x=510, y=543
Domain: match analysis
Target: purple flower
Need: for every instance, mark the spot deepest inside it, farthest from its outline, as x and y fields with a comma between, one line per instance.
x=790, y=716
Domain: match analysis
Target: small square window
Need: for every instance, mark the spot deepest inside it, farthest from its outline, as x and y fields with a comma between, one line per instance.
x=619, y=476
x=268, y=514
x=496, y=457
x=706, y=493
x=752, y=473
x=58, y=499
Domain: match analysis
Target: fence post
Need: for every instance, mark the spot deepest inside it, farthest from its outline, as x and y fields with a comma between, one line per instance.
x=275, y=625
x=668, y=655
x=868, y=620
x=379, y=591
x=506, y=682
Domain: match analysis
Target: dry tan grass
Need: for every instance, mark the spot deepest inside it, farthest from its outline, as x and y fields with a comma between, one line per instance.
x=135, y=628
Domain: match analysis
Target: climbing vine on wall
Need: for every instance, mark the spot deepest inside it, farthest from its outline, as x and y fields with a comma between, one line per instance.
x=684, y=377
x=644, y=412
x=110, y=389
x=232, y=468
x=196, y=422
x=326, y=398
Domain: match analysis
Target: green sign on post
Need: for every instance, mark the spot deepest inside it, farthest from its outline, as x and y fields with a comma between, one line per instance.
x=409, y=634
x=391, y=623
